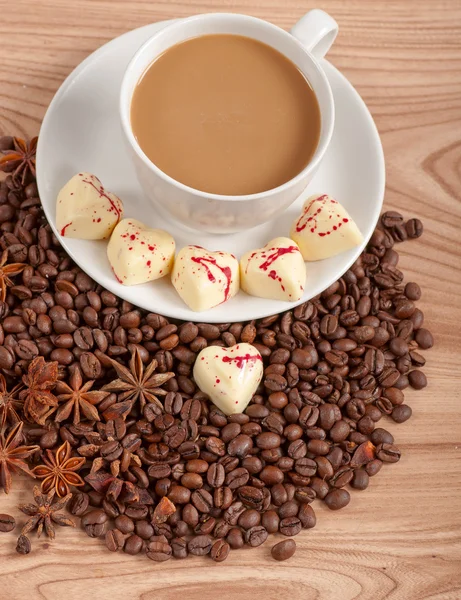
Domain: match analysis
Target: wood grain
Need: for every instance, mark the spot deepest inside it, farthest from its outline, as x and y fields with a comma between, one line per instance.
x=401, y=539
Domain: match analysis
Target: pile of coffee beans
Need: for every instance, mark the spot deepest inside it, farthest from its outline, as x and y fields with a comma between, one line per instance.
x=188, y=479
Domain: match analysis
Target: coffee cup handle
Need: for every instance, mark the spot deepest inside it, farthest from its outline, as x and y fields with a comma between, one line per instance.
x=316, y=31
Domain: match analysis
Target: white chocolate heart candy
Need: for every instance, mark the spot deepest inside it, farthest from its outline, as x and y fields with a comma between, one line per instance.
x=138, y=254
x=230, y=376
x=324, y=229
x=205, y=279
x=85, y=210
x=276, y=271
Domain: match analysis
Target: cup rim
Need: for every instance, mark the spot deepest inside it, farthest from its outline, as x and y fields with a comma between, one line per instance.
x=125, y=106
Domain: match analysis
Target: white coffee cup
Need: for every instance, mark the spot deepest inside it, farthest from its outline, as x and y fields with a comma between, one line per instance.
x=307, y=42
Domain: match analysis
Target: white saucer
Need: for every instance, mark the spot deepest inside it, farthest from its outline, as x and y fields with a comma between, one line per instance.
x=81, y=132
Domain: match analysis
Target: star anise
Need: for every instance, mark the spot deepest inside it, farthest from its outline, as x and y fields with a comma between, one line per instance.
x=43, y=514
x=12, y=455
x=58, y=472
x=78, y=398
x=39, y=402
x=137, y=383
x=20, y=160
x=7, y=271
x=9, y=403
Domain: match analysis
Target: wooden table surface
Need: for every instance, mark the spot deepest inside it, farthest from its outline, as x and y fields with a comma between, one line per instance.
x=400, y=539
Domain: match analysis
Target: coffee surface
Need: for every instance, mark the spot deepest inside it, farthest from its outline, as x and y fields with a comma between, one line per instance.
x=226, y=114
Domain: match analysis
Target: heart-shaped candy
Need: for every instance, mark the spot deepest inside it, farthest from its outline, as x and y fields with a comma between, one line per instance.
x=230, y=376
x=138, y=254
x=276, y=271
x=205, y=279
x=84, y=209
x=324, y=229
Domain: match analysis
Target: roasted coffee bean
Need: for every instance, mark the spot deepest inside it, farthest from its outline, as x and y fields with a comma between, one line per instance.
x=291, y=412
x=90, y=365
x=391, y=218
x=215, y=445
x=319, y=486
x=240, y=446
x=381, y=436
x=305, y=358
x=222, y=529
x=202, y=500
x=94, y=523
x=255, y=536
x=271, y=521
x=220, y=551
x=305, y=495
x=288, y=509
x=7, y=523
x=417, y=318
x=417, y=380
x=403, y=364
x=268, y=440
x=417, y=359
x=414, y=228
x=115, y=540
x=249, y=518
x=388, y=377
x=307, y=516
x=188, y=332
x=328, y=415
x=360, y=479
x=237, y=478
x=192, y=481
x=216, y=475
x=6, y=358
x=200, y=545
x=79, y=503
x=283, y=550
x=340, y=431
x=342, y=476
x=190, y=515
x=158, y=549
x=275, y=382
x=412, y=291
x=136, y=512
x=388, y=453
x=398, y=346
x=306, y=467
x=401, y=413
x=179, y=547
x=222, y=497
x=338, y=498
x=290, y=526
x=124, y=524
x=252, y=464
x=235, y=538
x=14, y=325
x=250, y=496
x=318, y=447
x=230, y=431
x=271, y=475
x=373, y=467
x=233, y=512
x=328, y=325
x=364, y=334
